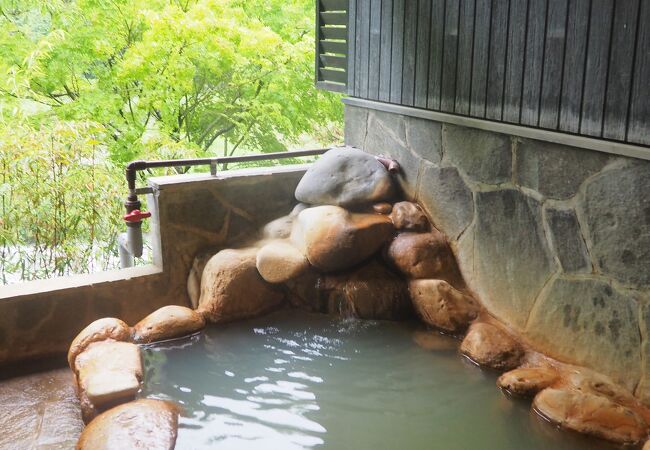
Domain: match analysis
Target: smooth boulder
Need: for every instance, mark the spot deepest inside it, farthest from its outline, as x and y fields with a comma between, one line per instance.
x=280, y=261
x=440, y=305
x=141, y=424
x=409, y=216
x=591, y=414
x=424, y=256
x=527, y=381
x=334, y=239
x=232, y=288
x=194, y=278
x=345, y=177
x=109, y=372
x=108, y=328
x=489, y=346
x=167, y=322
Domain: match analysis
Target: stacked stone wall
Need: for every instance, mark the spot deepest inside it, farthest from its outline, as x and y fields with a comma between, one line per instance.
x=554, y=240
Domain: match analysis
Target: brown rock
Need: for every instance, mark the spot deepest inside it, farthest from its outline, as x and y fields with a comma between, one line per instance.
x=280, y=261
x=194, y=278
x=489, y=346
x=591, y=414
x=646, y=446
x=304, y=291
x=440, y=305
x=433, y=340
x=232, y=288
x=109, y=372
x=595, y=383
x=335, y=239
x=371, y=292
x=424, y=256
x=382, y=208
x=409, y=216
x=527, y=381
x=142, y=424
x=167, y=322
x=99, y=330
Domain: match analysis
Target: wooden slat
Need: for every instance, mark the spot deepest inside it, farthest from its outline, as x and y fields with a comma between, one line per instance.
x=363, y=48
x=498, y=50
x=574, y=61
x=619, y=79
x=338, y=62
x=373, y=57
x=517, y=26
x=639, y=118
x=396, y=51
x=422, y=54
x=329, y=86
x=340, y=33
x=465, y=50
x=334, y=5
x=352, y=41
x=448, y=94
x=410, y=36
x=593, y=101
x=534, y=64
x=435, y=54
x=335, y=47
x=386, y=48
x=483, y=13
x=336, y=76
x=553, y=64
x=334, y=18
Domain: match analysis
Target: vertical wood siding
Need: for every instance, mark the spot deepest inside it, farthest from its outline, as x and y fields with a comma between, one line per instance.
x=577, y=66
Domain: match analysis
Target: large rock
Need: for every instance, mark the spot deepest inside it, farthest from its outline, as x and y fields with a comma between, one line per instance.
x=104, y=329
x=142, y=424
x=280, y=261
x=167, y=322
x=590, y=323
x=484, y=156
x=512, y=260
x=370, y=292
x=409, y=216
x=617, y=211
x=527, y=381
x=281, y=228
x=489, y=346
x=447, y=199
x=568, y=242
x=555, y=170
x=440, y=305
x=194, y=278
x=424, y=255
x=591, y=414
x=232, y=288
x=345, y=177
x=335, y=239
x=109, y=372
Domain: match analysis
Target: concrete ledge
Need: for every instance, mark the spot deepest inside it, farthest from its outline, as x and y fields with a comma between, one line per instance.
x=600, y=145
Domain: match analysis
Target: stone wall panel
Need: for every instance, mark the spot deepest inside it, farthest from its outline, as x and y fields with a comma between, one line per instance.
x=568, y=243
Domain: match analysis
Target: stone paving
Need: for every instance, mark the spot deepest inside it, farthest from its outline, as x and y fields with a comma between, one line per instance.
x=39, y=410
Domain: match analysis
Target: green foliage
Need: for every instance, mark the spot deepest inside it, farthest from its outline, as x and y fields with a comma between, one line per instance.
x=88, y=85
x=58, y=209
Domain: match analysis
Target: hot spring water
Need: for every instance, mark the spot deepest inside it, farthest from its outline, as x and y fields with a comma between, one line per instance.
x=296, y=380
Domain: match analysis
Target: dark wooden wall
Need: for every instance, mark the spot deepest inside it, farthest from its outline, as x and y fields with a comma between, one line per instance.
x=577, y=66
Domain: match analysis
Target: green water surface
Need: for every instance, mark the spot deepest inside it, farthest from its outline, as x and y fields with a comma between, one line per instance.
x=294, y=380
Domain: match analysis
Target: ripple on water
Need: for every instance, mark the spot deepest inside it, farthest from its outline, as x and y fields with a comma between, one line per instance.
x=294, y=380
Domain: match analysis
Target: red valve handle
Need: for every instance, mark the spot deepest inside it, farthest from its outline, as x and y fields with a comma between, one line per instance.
x=136, y=216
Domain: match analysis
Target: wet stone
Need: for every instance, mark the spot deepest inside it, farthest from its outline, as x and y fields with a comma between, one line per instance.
x=617, y=211
x=108, y=328
x=484, y=156
x=588, y=322
x=568, y=242
x=168, y=322
x=438, y=304
x=489, y=346
x=447, y=199
x=511, y=257
x=527, y=381
x=556, y=171
x=409, y=216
